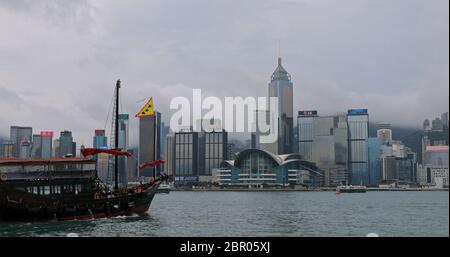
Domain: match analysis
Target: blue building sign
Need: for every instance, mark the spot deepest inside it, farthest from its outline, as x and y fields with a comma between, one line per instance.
x=357, y=112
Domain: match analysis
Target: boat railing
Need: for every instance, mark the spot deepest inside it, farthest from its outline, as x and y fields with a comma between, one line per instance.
x=50, y=175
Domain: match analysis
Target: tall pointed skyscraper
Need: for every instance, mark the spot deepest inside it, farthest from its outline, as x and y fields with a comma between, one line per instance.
x=281, y=86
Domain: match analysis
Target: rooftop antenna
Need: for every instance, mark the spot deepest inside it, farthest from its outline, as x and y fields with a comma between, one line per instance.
x=279, y=49
x=279, y=52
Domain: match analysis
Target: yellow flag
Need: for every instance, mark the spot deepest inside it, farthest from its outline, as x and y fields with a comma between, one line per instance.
x=147, y=110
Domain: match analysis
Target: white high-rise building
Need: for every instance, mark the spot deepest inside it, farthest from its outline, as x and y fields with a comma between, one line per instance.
x=384, y=133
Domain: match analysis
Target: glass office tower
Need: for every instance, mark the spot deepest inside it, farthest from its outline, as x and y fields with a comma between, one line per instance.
x=358, y=129
x=281, y=86
x=305, y=126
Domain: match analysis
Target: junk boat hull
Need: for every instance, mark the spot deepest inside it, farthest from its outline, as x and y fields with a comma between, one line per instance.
x=25, y=208
x=66, y=189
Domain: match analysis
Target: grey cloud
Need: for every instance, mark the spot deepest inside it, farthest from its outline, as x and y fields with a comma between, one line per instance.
x=388, y=56
x=51, y=9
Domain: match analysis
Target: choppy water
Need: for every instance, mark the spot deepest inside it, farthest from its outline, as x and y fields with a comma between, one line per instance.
x=267, y=214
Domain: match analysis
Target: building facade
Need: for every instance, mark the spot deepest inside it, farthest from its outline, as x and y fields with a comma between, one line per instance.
x=21, y=138
x=281, y=86
x=384, y=133
x=187, y=161
x=324, y=141
x=169, y=155
x=123, y=144
x=8, y=150
x=36, y=150
x=215, y=150
x=46, y=144
x=259, y=168
x=149, y=147
x=264, y=117
x=373, y=160
x=358, y=131
x=56, y=148
x=305, y=127
x=66, y=144
x=103, y=163
x=100, y=140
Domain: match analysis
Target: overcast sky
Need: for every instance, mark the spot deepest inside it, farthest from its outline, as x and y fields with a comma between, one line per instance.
x=59, y=59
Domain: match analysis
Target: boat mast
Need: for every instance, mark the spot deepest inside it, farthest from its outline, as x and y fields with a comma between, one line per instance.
x=116, y=138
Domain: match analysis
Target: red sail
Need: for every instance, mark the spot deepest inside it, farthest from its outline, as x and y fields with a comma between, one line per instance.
x=151, y=164
x=93, y=151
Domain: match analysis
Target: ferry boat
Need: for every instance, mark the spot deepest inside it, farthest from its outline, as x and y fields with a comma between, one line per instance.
x=163, y=189
x=69, y=188
x=351, y=189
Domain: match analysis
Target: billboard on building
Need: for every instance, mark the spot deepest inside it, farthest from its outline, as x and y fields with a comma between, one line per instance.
x=311, y=113
x=357, y=112
x=46, y=133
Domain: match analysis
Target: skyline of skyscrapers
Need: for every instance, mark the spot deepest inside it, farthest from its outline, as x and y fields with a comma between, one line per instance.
x=339, y=145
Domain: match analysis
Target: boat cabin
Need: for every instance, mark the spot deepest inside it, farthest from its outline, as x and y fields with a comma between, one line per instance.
x=47, y=177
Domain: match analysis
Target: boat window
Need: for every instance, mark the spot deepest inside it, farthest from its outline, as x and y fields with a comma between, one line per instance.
x=8, y=169
x=29, y=190
x=56, y=190
x=34, y=168
x=77, y=189
x=67, y=189
x=35, y=190
x=88, y=167
x=86, y=187
x=46, y=190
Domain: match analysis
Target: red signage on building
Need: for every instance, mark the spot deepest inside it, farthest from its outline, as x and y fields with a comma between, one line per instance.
x=99, y=132
x=46, y=133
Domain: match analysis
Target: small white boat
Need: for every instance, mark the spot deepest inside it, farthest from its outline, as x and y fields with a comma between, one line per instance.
x=163, y=188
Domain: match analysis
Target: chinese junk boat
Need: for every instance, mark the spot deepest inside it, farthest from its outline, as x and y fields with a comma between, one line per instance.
x=69, y=188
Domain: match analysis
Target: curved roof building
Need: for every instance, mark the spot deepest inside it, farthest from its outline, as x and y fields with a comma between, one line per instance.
x=255, y=167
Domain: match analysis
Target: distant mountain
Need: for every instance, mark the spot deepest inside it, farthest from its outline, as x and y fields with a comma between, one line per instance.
x=398, y=132
x=411, y=137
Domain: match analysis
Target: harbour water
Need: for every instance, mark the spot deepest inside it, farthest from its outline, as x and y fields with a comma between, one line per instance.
x=266, y=214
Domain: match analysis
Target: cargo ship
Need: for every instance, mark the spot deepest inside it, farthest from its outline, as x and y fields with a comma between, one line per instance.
x=69, y=188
